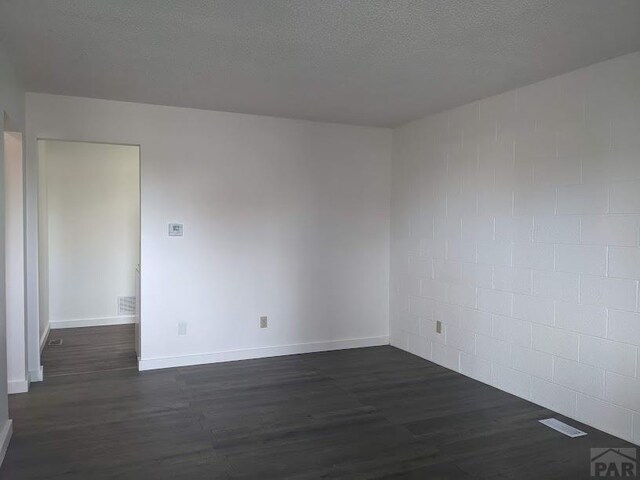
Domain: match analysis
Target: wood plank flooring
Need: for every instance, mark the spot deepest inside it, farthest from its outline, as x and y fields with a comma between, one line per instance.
x=90, y=349
x=364, y=413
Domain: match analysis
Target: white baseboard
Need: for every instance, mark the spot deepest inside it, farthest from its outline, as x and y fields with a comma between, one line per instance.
x=17, y=386
x=262, y=352
x=37, y=376
x=5, y=438
x=45, y=335
x=92, y=322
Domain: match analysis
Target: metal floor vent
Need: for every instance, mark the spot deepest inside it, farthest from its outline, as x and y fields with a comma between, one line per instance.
x=563, y=427
x=55, y=342
x=126, y=305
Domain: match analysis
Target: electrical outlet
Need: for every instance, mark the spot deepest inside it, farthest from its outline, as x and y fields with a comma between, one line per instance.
x=264, y=323
x=438, y=326
x=182, y=328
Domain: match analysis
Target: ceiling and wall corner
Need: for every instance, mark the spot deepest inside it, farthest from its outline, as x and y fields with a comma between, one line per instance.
x=11, y=93
x=366, y=62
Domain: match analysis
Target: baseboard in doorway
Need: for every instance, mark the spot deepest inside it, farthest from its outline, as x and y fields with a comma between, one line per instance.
x=37, y=376
x=262, y=352
x=5, y=438
x=93, y=322
x=17, y=386
x=44, y=337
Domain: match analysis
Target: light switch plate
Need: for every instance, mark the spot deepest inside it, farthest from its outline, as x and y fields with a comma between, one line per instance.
x=176, y=229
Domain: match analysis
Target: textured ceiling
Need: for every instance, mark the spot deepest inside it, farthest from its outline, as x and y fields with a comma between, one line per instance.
x=367, y=62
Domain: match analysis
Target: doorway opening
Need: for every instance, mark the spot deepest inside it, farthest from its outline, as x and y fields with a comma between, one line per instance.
x=88, y=256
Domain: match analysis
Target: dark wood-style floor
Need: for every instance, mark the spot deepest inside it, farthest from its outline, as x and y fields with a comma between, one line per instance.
x=366, y=413
x=90, y=349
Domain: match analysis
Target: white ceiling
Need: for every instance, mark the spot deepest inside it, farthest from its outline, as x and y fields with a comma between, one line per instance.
x=367, y=62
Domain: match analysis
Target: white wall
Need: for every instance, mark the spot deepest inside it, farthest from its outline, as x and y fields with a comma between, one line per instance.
x=283, y=218
x=515, y=222
x=17, y=375
x=11, y=108
x=43, y=246
x=91, y=230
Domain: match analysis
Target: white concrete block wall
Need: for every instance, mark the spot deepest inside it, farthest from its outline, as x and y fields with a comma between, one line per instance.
x=516, y=223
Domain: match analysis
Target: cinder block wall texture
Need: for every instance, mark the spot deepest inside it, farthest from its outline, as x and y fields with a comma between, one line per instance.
x=515, y=222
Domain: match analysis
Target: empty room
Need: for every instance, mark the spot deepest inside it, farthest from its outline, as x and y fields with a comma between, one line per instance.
x=300, y=239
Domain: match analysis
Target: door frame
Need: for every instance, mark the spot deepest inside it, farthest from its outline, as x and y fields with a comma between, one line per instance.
x=35, y=344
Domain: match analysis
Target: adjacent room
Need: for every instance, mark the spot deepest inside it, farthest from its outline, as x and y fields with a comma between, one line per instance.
x=88, y=255
x=319, y=239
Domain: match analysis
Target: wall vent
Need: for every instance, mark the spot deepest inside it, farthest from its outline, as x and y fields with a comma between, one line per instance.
x=126, y=305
